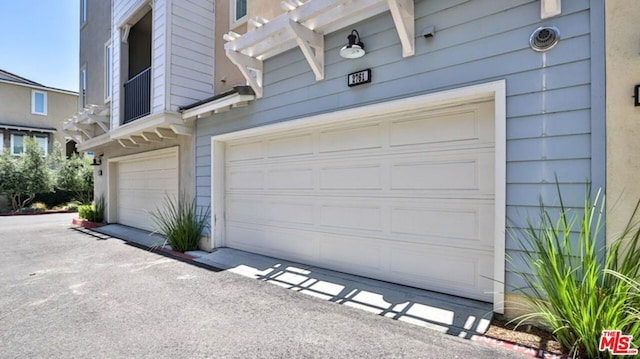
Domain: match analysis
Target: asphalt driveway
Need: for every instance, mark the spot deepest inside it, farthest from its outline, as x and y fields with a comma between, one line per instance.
x=64, y=293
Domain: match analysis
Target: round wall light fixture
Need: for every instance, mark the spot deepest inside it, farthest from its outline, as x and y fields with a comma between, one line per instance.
x=355, y=48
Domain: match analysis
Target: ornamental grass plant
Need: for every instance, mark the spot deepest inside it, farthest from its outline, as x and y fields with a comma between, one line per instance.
x=180, y=221
x=576, y=287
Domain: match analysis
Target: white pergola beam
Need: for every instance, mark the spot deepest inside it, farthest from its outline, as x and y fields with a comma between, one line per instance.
x=402, y=12
x=75, y=135
x=166, y=133
x=127, y=143
x=312, y=45
x=151, y=137
x=139, y=140
x=246, y=63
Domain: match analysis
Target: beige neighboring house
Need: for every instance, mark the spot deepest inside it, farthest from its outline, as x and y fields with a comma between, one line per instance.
x=28, y=108
x=623, y=118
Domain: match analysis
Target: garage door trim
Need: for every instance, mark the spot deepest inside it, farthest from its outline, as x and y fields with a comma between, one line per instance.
x=493, y=91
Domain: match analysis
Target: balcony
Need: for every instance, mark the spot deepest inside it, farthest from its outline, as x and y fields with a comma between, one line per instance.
x=137, y=96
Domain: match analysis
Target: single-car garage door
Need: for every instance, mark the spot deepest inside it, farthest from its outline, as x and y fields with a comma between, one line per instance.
x=142, y=182
x=405, y=197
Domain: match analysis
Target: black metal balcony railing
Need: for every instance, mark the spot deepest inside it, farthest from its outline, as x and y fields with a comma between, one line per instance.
x=137, y=96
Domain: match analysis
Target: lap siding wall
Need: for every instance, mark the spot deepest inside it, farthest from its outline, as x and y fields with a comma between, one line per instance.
x=555, y=115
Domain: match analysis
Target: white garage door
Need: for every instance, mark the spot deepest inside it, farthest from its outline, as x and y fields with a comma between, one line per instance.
x=406, y=198
x=142, y=184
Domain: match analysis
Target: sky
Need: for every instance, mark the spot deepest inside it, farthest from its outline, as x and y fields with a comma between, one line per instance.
x=39, y=40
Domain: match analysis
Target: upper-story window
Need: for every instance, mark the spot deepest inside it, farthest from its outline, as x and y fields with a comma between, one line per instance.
x=108, y=55
x=17, y=144
x=38, y=102
x=83, y=12
x=83, y=87
x=238, y=11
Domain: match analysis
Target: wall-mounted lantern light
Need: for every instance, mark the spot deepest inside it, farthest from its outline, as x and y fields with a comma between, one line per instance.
x=355, y=48
x=636, y=95
x=97, y=160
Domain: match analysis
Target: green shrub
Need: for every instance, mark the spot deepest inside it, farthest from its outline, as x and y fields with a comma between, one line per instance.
x=39, y=206
x=85, y=211
x=181, y=222
x=578, y=289
x=92, y=212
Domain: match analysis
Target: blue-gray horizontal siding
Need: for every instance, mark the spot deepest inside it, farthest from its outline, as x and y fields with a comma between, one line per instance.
x=548, y=94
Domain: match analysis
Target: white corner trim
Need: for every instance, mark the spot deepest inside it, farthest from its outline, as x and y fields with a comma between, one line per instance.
x=495, y=91
x=500, y=193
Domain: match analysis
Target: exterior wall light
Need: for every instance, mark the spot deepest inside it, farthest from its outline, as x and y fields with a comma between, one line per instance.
x=97, y=161
x=355, y=48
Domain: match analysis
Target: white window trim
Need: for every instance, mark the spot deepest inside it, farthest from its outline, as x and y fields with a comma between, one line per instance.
x=83, y=86
x=108, y=75
x=23, y=135
x=11, y=149
x=33, y=102
x=1, y=142
x=46, y=144
x=232, y=15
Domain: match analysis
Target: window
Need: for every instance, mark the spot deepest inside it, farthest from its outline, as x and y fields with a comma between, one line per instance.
x=83, y=12
x=238, y=10
x=17, y=144
x=108, y=55
x=83, y=87
x=38, y=102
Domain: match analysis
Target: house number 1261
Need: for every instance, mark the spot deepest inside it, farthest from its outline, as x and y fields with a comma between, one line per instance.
x=359, y=77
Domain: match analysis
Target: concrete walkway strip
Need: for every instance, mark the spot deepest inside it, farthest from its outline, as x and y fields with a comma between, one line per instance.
x=445, y=313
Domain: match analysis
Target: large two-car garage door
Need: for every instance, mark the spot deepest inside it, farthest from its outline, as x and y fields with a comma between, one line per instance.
x=406, y=197
x=143, y=181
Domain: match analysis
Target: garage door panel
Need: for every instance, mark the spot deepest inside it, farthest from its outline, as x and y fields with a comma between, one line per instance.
x=435, y=222
x=246, y=210
x=247, y=179
x=365, y=218
x=290, y=146
x=244, y=151
x=288, y=213
x=364, y=254
x=354, y=177
x=470, y=124
x=290, y=179
x=408, y=198
x=295, y=244
x=462, y=272
x=350, y=138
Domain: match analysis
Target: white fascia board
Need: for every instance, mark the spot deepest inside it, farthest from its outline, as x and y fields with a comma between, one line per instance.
x=216, y=105
x=41, y=88
x=30, y=129
x=146, y=124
